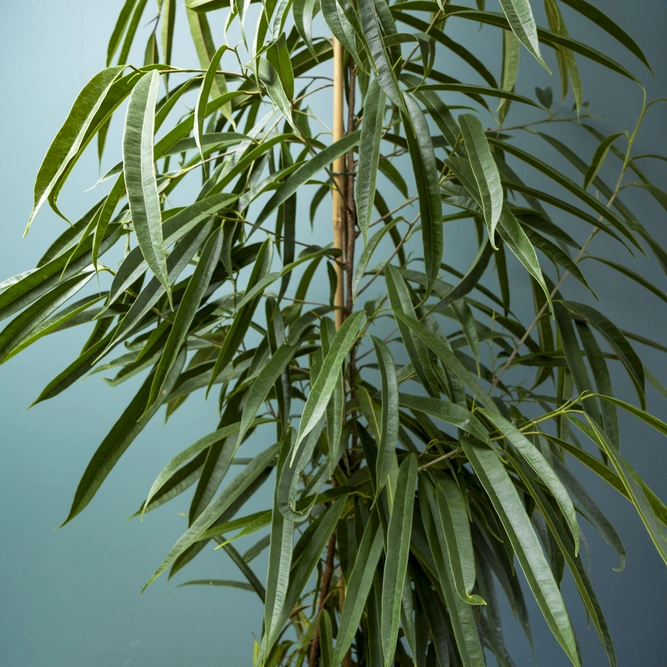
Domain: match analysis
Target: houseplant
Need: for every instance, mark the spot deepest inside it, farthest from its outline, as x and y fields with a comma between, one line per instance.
x=254, y=168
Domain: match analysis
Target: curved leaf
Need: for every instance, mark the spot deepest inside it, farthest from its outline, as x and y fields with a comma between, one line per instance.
x=139, y=169
x=70, y=137
x=511, y=511
x=397, y=549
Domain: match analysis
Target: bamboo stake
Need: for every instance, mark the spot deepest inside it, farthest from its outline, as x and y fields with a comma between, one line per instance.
x=338, y=213
x=339, y=219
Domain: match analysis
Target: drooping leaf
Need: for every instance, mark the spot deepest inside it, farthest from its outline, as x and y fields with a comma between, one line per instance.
x=520, y=17
x=510, y=509
x=450, y=509
x=390, y=421
x=323, y=386
x=197, y=287
x=603, y=21
x=510, y=71
x=229, y=494
x=425, y=170
x=600, y=156
x=307, y=171
x=204, y=92
x=484, y=170
x=280, y=556
x=397, y=549
x=369, y=156
x=359, y=586
x=139, y=169
x=120, y=437
x=460, y=613
x=71, y=135
x=540, y=465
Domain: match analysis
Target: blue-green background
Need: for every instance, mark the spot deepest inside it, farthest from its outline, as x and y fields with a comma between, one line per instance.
x=71, y=598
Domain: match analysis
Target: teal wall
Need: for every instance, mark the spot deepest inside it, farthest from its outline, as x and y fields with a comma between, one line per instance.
x=71, y=598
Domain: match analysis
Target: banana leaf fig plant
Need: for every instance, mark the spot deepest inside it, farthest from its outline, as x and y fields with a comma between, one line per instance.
x=413, y=430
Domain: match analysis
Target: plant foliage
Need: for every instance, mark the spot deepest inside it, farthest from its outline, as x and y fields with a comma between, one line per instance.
x=422, y=448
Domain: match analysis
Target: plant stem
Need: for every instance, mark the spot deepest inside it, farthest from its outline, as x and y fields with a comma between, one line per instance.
x=338, y=178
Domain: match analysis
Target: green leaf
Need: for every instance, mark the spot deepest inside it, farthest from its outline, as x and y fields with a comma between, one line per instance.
x=568, y=184
x=425, y=170
x=545, y=36
x=546, y=96
x=509, y=227
x=519, y=15
x=26, y=324
x=70, y=137
x=177, y=261
x=367, y=254
x=243, y=316
x=73, y=314
x=120, y=437
x=304, y=173
x=264, y=382
x=274, y=87
x=400, y=301
x=476, y=92
x=576, y=566
x=397, y=549
x=592, y=512
x=358, y=586
x=634, y=489
x=450, y=413
x=510, y=509
x=278, y=56
x=573, y=355
x=484, y=170
x=324, y=385
x=139, y=169
x=599, y=158
x=194, y=292
x=303, y=12
x=307, y=554
x=464, y=315
x=518, y=242
x=104, y=216
x=77, y=369
x=211, y=514
x=227, y=583
x=204, y=93
x=618, y=342
x=460, y=612
x=119, y=29
x=340, y=26
x=390, y=419
x=448, y=358
x=280, y=555
x=193, y=450
x=567, y=63
x=326, y=639
x=131, y=31
x=369, y=156
x=602, y=379
x=378, y=52
x=541, y=466
x=602, y=20
x=452, y=513
x=650, y=419
x=510, y=71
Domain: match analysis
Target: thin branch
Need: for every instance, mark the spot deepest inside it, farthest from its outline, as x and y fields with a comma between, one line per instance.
x=578, y=258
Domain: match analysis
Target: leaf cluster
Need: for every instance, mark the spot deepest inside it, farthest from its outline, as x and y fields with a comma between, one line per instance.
x=420, y=451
